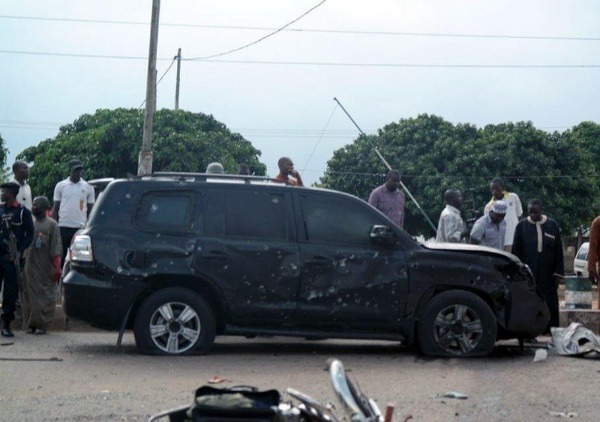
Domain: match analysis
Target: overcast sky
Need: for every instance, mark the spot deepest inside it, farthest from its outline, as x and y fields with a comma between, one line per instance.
x=383, y=59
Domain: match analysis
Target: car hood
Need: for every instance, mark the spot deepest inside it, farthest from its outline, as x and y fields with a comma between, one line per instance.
x=474, y=249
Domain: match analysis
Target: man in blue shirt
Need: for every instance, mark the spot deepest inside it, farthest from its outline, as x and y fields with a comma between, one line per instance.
x=490, y=229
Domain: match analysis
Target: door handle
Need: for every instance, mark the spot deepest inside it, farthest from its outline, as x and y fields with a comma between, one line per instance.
x=215, y=255
x=319, y=260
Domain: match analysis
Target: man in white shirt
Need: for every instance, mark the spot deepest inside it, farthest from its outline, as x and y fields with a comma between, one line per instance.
x=451, y=227
x=73, y=200
x=21, y=174
x=514, y=209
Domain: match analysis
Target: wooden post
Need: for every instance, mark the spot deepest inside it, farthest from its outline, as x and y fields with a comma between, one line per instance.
x=177, y=84
x=145, y=157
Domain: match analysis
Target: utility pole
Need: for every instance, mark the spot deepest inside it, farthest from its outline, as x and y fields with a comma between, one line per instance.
x=145, y=157
x=177, y=85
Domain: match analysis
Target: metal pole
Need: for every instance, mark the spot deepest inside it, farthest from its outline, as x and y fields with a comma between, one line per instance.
x=177, y=84
x=387, y=165
x=145, y=157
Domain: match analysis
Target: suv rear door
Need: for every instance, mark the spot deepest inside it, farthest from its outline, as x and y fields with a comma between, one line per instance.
x=248, y=249
x=346, y=280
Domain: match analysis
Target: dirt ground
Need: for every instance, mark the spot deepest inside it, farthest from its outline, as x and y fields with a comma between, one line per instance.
x=83, y=376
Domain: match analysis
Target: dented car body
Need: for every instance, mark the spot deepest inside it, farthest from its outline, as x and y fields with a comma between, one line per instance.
x=182, y=258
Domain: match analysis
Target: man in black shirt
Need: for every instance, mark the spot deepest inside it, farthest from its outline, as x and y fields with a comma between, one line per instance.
x=15, y=219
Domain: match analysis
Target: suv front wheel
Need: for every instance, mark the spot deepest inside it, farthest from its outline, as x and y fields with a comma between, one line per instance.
x=174, y=322
x=457, y=323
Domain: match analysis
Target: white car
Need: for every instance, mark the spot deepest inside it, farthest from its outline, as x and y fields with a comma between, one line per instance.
x=580, y=261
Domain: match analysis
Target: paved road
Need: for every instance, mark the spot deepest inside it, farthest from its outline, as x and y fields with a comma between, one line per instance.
x=94, y=380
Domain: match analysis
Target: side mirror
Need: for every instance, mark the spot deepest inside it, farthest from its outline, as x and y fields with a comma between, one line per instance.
x=382, y=235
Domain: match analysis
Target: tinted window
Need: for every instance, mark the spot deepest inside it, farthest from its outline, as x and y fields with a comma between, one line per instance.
x=337, y=220
x=164, y=210
x=245, y=213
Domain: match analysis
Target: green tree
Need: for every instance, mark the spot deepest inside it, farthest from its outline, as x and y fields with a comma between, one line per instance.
x=5, y=171
x=434, y=155
x=108, y=143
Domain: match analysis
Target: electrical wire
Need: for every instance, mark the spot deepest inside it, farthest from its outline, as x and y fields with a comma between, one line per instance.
x=326, y=64
x=262, y=38
x=161, y=78
x=313, y=30
x=320, y=137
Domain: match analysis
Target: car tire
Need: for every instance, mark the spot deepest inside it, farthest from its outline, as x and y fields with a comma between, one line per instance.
x=457, y=323
x=174, y=322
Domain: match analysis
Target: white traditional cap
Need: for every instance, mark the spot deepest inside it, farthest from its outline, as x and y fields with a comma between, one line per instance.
x=215, y=168
x=499, y=207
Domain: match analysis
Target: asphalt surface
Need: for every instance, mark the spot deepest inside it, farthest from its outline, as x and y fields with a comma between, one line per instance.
x=83, y=376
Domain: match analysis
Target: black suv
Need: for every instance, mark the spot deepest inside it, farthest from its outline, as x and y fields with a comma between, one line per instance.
x=181, y=258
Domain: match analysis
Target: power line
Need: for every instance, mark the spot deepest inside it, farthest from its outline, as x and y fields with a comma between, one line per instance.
x=161, y=78
x=311, y=30
x=262, y=38
x=322, y=64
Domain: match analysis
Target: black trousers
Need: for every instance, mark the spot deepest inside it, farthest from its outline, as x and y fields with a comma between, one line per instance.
x=66, y=235
x=8, y=279
x=548, y=292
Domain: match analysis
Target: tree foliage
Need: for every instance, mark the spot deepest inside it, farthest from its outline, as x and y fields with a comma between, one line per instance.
x=108, y=143
x=434, y=155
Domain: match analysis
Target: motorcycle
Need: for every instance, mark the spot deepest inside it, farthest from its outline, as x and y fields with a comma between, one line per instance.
x=238, y=404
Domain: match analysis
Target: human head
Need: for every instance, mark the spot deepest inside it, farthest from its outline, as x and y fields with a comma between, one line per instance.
x=215, y=168
x=286, y=166
x=498, y=211
x=9, y=192
x=39, y=206
x=244, y=169
x=20, y=170
x=534, y=209
x=497, y=188
x=453, y=197
x=392, y=180
x=75, y=170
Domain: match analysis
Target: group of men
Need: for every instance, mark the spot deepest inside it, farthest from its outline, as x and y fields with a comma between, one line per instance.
x=535, y=239
x=34, y=239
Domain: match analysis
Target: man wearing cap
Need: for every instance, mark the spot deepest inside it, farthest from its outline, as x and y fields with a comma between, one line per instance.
x=16, y=223
x=73, y=200
x=490, y=229
x=514, y=209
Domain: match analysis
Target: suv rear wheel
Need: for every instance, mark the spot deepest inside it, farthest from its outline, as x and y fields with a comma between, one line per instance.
x=457, y=324
x=174, y=322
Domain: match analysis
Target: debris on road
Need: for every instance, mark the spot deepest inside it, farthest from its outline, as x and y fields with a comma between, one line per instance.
x=575, y=340
x=453, y=395
x=540, y=355
x=217, y=380
x=564, y=414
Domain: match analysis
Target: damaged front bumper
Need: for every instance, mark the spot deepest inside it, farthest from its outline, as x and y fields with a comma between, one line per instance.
x=529, y=314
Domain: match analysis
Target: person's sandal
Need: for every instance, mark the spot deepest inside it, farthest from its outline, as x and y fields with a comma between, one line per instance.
x=40, y=331
x=31, y=330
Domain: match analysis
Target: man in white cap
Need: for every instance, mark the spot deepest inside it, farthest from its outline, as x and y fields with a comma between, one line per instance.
x=490, y=229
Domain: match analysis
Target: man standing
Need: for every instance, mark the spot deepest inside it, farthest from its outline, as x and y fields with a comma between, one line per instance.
x=514, y=210
x=594, y=252
x=287, y=173
x=16, y=226
x=388, y=199
x=490, y=229
x=73, y=200
x=451, y=227
x=42, y=270
x=538, y=244
x=21, y=174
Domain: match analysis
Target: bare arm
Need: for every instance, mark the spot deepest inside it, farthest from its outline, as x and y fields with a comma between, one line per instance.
x=55, y=209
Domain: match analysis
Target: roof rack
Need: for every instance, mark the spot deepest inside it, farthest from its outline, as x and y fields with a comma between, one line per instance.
x=220, y=177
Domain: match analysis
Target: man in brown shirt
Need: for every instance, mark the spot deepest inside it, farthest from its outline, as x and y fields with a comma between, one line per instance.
x=594, y=252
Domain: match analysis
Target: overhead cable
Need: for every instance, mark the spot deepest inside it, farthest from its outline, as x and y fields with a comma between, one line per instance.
x=313, y=30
